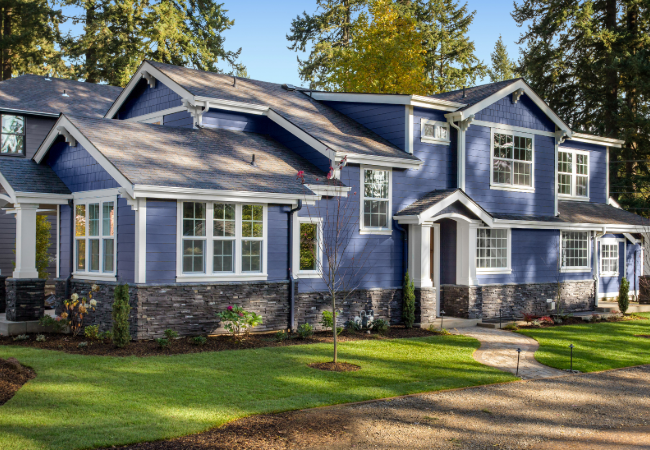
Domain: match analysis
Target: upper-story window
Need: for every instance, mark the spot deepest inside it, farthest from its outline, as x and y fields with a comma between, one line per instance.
x=512, y=160
x=376, y=200
x=95, y=238
x=573, y=174
x=13, y=135
x=433, y=131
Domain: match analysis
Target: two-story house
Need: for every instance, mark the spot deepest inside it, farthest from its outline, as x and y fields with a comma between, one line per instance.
x=187, y=189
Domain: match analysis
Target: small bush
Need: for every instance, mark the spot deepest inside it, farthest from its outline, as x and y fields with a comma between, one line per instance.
x=21, y=337
x=83, y=344
x=121, y=310
x=162, y=342
x=170, y=334
x=380, y=326
x=57, y=324
x=441, y=332
x=624, y=296
x=351, y=325
x=92, y=332
x=40, y=338
x=281, y=336
x=529, y=317
x=105, y=335
x=198, y=340
x=408, y=302
x=305, y=331
x=512, y=326
x=327, y=321
x=546, y=319
x=238, y=322
x=339, y=330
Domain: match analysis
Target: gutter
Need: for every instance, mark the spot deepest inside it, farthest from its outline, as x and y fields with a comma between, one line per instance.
x=292, y=281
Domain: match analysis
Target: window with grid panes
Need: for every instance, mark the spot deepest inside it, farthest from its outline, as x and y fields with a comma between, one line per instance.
x=512, y=160
x=224, y=227
x=609, y=258
x=194, y=217
x=491, y=248
x=573, y=173
x=376, y=198
x=95, y=236
x=13, y=135
x=252, y=237
x=575, y=249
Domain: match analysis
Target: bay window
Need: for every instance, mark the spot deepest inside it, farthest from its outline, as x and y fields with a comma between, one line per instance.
x=512, y=160
x=376, y=200
x=573, y=174
x=574, y=250
x=94, y=249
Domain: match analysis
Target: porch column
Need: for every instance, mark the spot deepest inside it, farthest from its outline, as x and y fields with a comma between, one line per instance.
x=420, y=255
x=25, y=240
x=466, y=253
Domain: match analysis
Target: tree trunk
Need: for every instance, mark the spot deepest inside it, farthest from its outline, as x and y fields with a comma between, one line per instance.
x=7, y=67
x=91, y=51
x=334, y=327
x=610, y=115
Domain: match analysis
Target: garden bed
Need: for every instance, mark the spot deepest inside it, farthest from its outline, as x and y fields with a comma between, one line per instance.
x=577, y=320
x=12, y=377
x=69, y=344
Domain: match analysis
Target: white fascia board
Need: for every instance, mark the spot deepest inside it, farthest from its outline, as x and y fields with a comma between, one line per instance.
x=329, y=191
x=87, y=145
x=380, y=161
x=230, y=105
x=541, y=225
x=458, y=196
x=26, y=111
x=156, y=114
x=158, y=75
x=302, y=135
x=98, y=193
x=388, y=99
x=11, y=194
x=519, y=84
x=597, y=140
x=140, y=191
x=513, y=128
x=36, y=197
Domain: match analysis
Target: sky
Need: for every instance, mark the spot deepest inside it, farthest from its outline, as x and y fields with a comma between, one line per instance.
x=261, y=27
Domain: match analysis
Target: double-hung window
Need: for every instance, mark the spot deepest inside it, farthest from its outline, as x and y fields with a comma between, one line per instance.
x=492, y=250
x=573, y=174
x=609, y=258
x=512, y=160
x=95, y=238
x=376, y=200
x=307, y=247
x=574, y=251
x=221, y=240
x=13, y=135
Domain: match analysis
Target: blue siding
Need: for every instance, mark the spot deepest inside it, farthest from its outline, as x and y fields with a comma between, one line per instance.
x=298, y=146
x=477, y=181
x=179, y=119
x=125, y=242
x=447, y=251
x=146, y=100
x=597, y=168
x=610, y=285
x=388, y=121
x=161, y=241
x=278, y=243
x=525, y=113
x=64, y=242
x=77, y=169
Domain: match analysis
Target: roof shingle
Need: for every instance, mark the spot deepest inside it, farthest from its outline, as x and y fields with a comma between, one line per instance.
x=24, y=175
x=474, y=95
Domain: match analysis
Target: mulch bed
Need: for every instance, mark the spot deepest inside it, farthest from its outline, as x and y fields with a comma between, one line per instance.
x=335, y=367
x=12, y=377
x=69, y=344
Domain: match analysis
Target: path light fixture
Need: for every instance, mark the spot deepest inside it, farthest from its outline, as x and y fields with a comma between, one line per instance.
x=571, y=347
x=500, y=314
x=442, y=318
x=518, y=353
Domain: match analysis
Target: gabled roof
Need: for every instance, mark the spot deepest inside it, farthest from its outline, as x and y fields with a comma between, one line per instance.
x=436, y=204
x=185, y=158
x=35, y=94
x=20, y=175
x=475, y=94
x=325, y=125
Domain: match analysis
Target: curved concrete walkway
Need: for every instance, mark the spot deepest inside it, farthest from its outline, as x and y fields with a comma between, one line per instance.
x=499, y=349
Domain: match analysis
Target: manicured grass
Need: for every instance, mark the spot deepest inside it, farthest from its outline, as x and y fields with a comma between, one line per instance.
x=598, y=346
x=87, y=401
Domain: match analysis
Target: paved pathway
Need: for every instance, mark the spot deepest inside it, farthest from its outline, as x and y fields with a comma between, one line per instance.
x=499, y=349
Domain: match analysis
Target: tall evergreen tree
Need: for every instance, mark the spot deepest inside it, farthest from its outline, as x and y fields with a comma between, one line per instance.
x=503, y=68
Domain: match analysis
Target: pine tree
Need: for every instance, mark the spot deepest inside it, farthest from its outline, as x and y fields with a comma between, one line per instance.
x=503, y=68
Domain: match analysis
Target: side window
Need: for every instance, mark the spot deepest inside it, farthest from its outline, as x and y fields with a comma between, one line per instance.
x=434, y=132
x=573, y=174
x=512, y=160
x=574, y=250
x=376, y=202
x=13, y=135
x=95, y=237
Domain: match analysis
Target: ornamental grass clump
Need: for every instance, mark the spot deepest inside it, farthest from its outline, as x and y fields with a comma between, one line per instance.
x=121, y=310
x=238, y=322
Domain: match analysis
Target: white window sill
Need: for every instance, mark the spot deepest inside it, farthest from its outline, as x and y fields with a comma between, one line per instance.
x=200, y=278
x=385, y=231
x=493, y=271
x=308, y=275
x=501, y=187
x=609, y=274
x=428, y=140
x=572, y=198
x=91, y=276
x=575, y=269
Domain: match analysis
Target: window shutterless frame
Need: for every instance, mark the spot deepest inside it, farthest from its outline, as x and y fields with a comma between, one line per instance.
x=219, y=242
x=573, y=174
x=434, y=132
x=493, y=251
x=610, y=257
x=376, y=201
x=299, y=239
x=12, y=135
x=95, y=235
x=517, y=165
x=575, y=248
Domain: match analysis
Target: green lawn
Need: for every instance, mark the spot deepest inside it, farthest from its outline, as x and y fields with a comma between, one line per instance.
x=88, y=401
x=598, y=346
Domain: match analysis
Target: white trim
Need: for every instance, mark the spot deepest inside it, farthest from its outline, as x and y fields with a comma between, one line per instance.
x=436, y=263
x=230, y=105
x=631, y=238
x=58, y=240
x=145, y=118
x=140, y=263
x=607, y=173
x=433, y=140
x=205, y=195
x=381, y=161
x=26, y=112
x=614, y=242
x=501, y=187
x=98, y=193
x=458, y=196
x=200, y=278
x=329, y=191
x=93, y=276
x=614, y=203
x=388, y=99
x=597, y=140
x=318, y=221
x=32, y=197
x=574, y=174
x=389, y=218
x=302, y=135
x=500, y=270
x=408, y=135
x=577, y=269
x=419, y=249
x=512, y=128
x=512, y=186
x=8, y=189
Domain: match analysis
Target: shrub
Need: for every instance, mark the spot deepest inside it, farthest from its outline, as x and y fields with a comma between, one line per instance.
x=198, y=340
x=83, y=344
x=21, y=337
x=40, y=338
x=92, y=332
x=327, y=321
x=351, y=325
x=529, y=317
x=305, y=331
x=408, y=301
x=75, y=309
x=380, y=326
x=170, y=334
x=624, y=295
x=57, y=324
x=105, y=335
x=121, y=310
x=536, y=323
x=238, y=321
x=512, y=326
x=281, y=336
x=162, y=342
x=546, y=319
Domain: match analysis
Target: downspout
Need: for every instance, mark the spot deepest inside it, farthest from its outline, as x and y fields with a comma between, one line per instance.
x=68, y=280
x=405, y=241
x=292, y=283
x=595, y=264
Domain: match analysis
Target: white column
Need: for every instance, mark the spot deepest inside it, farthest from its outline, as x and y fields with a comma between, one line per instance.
x=25, y=240
x=466, y=253
x=419, y=255
x=140, y=275
x=436, y=265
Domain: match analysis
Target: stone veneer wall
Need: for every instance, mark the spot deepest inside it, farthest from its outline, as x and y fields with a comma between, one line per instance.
x=190, y=309
x=3, y=294
x=25, y=299
x=484, y=302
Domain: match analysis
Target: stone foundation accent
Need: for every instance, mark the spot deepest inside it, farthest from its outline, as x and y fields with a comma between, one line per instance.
x=513, y=301
x=425, y=305
x=25, y=299
x=644, y=290
x=3, y=294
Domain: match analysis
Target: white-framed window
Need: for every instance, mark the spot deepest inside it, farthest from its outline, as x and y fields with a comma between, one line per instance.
x=609, y=258
x=221, y=240
x=376, y=203
x=12, y=135
x=95, y=232
x=308, y=247
x=574, y=251
x=512, y=160
x=492, y=250
x=434, y=131
x=573, y=174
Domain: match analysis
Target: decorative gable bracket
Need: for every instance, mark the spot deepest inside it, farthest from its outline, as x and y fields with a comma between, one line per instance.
x=517, y=94
x=560, y=136
x=150, y=79
x=196, y=112
x=68, y=137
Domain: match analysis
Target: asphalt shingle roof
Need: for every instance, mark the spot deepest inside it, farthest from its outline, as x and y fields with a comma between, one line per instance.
x=24, y=175
x=35, y=93
x=333, y=129
x=425, y=202
x=219, y=159
x=475, y=94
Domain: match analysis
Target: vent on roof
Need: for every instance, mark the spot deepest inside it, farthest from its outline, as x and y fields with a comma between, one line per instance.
x=288, y=87
x=64, y=94
x=463, y=91
x=253, y=163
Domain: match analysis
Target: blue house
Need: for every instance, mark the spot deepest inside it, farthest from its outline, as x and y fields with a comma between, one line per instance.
x=187, y=189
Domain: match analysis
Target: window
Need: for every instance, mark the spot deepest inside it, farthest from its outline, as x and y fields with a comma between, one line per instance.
x=574, y=250
x=432, y=131
x=512, y=160
x=222, y=240
x=573, y=174
x=492, y=250
x=95, y=238
x=13, y=135
x=307, y=246
x=376, y=203
x=609, y=259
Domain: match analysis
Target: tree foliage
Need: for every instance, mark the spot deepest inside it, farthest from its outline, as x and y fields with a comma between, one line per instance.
x=624, y=295
x=120, y=315
x=503, y=68
x=408, y=302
